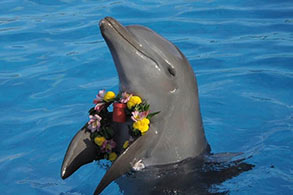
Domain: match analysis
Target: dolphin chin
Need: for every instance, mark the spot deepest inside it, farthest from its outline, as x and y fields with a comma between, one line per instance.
x=153, y=68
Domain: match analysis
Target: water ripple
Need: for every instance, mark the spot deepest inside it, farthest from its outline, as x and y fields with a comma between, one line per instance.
x=53, y=60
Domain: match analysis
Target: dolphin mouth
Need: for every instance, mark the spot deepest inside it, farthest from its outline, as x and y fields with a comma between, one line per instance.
x=110, y=26
x=110, y=23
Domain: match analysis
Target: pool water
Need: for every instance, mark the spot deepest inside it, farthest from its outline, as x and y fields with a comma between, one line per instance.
x=53, y=61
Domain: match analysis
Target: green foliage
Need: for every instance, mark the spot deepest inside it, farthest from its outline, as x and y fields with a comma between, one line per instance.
x=152, y=115
x=142, y=107
x=134, y=132
x=118, y=97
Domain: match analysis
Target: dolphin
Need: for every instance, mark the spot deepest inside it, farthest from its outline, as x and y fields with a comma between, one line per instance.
x=200, y=175
x=153, y=68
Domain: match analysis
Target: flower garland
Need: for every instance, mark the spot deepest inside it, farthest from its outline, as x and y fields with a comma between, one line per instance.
x=100, y=127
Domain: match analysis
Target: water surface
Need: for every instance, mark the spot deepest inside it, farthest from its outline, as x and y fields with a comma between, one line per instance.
x=53, y=61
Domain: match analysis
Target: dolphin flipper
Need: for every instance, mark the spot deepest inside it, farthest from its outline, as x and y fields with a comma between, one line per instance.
x=126, y=160
x=80, y=151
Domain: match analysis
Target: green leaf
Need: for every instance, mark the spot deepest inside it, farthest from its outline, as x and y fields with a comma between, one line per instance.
x=152, y=114
x=92, y=111
x=110, y=101
x=137, y=107
x=136, y=133
x=147, y=107
x=118, y=97
x=107, y=132
x=110, y=132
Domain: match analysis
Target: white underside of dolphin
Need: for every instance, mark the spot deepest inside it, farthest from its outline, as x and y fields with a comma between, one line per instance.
x=153, y=68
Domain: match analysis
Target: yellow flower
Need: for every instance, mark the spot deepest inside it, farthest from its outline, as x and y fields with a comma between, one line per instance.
x=134, y=100
x=108, y=147
x=109, y=96
x=142, y=125
x=126, y=144
x=99, y=140
x=112, y=156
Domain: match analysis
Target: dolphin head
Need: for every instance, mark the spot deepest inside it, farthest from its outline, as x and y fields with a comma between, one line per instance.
x=147, y=64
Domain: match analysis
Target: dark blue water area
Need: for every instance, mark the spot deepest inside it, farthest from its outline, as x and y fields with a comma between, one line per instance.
x=53, y=61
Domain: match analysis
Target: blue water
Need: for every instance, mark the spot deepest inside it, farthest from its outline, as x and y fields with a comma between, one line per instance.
x=53, y=61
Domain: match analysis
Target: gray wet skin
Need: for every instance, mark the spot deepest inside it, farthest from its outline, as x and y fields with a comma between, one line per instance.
x=153, y=68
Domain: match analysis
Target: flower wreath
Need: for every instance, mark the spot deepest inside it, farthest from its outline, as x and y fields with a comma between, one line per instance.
x=128, y=106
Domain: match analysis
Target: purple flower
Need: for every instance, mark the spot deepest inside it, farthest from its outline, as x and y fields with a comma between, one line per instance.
x=125, y=97
x=100, y=96
x=108, y=145
x=137, y=116
x=99, y=106
x=94, y=123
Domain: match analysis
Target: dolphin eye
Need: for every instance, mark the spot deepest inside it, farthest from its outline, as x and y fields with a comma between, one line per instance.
x=172, y=71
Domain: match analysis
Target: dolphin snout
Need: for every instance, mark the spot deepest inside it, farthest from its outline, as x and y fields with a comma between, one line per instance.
x=112, y=31
x=109, y=22
x=105, y=21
